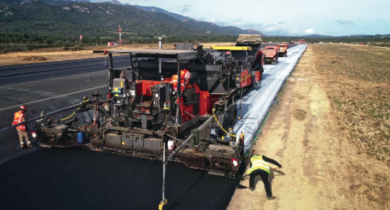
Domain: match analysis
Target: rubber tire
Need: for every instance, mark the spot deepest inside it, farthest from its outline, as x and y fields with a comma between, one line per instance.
x=285, y=55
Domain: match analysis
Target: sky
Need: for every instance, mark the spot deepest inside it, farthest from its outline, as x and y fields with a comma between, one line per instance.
x=286, y=17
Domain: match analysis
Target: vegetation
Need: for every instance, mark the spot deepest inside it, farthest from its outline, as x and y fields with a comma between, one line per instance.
x=35, y=24
x=358, y=79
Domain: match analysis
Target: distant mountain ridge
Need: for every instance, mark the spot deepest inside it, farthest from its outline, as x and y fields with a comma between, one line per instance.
x=188, y=19
x=206, y=27
x=58, y=19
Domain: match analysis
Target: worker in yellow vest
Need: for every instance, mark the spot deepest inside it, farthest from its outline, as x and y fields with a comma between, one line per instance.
x=260, y=166
x=19, y=117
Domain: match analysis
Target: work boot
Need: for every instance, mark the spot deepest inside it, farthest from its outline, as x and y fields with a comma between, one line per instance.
x=271, y=197
x=22, y=146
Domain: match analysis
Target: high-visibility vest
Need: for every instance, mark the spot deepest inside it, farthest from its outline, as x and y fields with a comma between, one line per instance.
x=18, y=118
x=185, y=76
x=257, y=162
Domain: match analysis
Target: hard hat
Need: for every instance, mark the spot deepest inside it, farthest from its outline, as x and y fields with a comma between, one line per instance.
x=22, y=107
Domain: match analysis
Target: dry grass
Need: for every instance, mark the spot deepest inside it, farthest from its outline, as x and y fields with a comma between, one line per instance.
x=358, y=82
x=35, y=58
x=58, y=54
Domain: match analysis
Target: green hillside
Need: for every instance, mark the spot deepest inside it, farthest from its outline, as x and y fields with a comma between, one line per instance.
x=96, y=19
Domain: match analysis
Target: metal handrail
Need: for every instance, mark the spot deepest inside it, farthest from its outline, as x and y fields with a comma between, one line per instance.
x=38, y=118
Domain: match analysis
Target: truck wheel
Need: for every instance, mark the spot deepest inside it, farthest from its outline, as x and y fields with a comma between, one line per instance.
x=285, y=54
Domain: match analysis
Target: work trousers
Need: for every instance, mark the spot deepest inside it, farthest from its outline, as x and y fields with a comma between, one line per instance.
x=265, y=176
x=25, y=135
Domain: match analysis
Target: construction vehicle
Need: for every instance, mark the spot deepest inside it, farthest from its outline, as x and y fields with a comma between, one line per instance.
x=241, y=53
x=186, y=46
x=254, y=41
x=282, y=49
x=175, y=103
x=271, y=54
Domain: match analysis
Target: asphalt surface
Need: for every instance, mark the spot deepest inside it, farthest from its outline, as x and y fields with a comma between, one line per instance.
x=47, y=87
x=75, y=179
x=79, y=179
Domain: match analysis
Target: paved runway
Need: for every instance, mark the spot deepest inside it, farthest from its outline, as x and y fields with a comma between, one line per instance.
x=47, y=87
x=78, y=179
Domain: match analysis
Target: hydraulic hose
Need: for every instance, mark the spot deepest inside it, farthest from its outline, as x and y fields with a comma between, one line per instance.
x=216, y=119
x=73, y=112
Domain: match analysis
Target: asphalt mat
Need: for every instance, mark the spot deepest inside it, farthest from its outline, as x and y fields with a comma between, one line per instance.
x=78, y=179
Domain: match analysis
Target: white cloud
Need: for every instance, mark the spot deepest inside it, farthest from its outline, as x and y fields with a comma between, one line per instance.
x=324, y=15
x=212, y=20
x=309, y=31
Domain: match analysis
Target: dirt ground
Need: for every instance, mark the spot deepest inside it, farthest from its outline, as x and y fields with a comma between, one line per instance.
x=56, y=54
x=322, y=169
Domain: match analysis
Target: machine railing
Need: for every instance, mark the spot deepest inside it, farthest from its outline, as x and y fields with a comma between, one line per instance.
x=45, y=116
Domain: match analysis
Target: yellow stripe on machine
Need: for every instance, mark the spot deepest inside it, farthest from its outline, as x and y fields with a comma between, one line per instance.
x=232, y=48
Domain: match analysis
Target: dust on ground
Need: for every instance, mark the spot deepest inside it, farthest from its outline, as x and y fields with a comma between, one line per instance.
x=322, y=169
x=58, y=54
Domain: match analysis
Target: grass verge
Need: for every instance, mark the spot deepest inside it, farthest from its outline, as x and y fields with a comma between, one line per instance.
x=358, y=82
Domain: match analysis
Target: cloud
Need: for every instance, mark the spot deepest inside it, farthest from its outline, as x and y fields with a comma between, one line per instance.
x=186, y=8
x=256, y=26
x=309, y=31
x=344, y=22
x=238, y=20
x=280, y=23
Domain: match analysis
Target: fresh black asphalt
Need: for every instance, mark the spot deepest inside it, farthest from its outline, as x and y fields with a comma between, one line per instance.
x=77, y=179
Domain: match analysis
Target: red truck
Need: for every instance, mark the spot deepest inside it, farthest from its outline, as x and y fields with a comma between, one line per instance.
x=283, y=49
x=271, y=54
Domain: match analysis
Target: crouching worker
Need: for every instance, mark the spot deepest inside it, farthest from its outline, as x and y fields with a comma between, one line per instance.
x=259, y=166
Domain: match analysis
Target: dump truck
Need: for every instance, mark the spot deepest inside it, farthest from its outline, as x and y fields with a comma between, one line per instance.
x=282, y=49
x=169, y=105
x=254, y=41
x=271, y=54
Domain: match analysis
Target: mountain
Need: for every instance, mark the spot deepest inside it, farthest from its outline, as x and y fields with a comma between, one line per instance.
x=96, y=19
x=51, y=2
x=202, y=24
x=64, y=18
x=156, y=9
x=64, y=2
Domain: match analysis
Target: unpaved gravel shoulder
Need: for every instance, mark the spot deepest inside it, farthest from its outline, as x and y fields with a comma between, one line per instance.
x=51, y=54
x=321, y=169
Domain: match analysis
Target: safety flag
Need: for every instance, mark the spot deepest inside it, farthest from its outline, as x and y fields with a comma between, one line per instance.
x=81, y=36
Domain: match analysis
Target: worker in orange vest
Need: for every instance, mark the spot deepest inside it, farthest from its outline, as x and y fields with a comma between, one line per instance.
x=19, y=117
